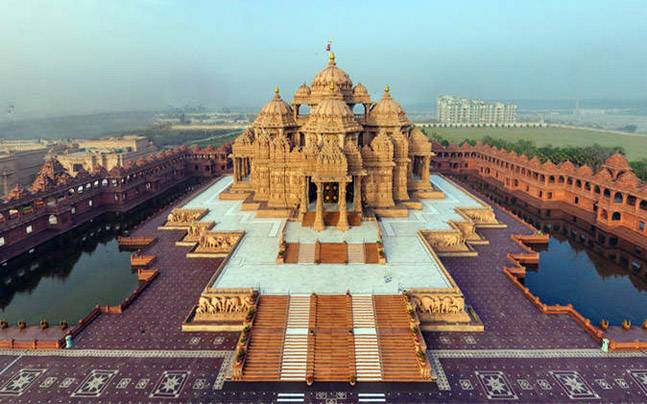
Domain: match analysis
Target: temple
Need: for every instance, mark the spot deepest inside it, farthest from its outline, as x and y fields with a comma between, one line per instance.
x=330, y=242
x=331, y=228
x=340, y=160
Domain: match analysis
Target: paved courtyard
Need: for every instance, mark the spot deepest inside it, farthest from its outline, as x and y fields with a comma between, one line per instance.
x=408, y=262
x=143, y=356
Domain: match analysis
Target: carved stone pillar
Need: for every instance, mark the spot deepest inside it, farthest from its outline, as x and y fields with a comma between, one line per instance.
x=342, y=223
x=319, y=222
x=304, y=197
x=357, y=195
x=425, y=169
x=236, y=169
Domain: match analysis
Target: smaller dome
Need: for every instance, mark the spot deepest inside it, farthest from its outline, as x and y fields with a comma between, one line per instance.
x=275, y=114
x=567, y=167
x=18, y=192
x=302, y=91
x=584, y=171
x=618, y=162
x=360, y=90
x=387, y=112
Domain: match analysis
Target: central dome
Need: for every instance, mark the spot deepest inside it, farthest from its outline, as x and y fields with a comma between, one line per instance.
x=332, y=74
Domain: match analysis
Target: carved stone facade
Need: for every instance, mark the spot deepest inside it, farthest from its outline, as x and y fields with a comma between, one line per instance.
x=448, y=243
x=225, y=304
x=433, y=306
x=372, y=159
x=184, y=218
x=194, y=233
x=216, y=244
x=610, y=196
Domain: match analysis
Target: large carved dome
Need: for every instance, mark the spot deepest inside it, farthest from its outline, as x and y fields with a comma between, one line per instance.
x=387, y=112
x=332, y=74
x=275, y=114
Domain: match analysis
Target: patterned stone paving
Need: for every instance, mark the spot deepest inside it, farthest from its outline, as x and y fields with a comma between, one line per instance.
x=142, y=355
x=511, y=321
x=153, y=321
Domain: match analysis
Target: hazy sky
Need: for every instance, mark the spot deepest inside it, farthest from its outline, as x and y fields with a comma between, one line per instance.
x=67, y=57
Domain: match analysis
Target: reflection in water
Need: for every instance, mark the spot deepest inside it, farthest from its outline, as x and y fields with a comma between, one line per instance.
x=596, y=286
x=603, y=277
x=66, y=277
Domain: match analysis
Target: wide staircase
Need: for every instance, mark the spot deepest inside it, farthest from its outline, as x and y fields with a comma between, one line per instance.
x=356, y=253
x=395, y=339
x=265, y=350
x=334, y=351
x=295, y=345
x=367, y=352
x=361, y=335
x=307, y=253
x=371, y=255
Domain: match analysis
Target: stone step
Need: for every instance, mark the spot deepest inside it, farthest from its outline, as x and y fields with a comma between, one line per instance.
x=295, y=344
x=307, y=253
x=356, y=253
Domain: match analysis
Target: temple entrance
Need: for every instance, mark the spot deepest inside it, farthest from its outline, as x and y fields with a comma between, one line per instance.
x=350, y=187
x=330, y=192
x=312, y=190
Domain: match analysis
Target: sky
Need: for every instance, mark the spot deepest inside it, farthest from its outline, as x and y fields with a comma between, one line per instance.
x=80, y=56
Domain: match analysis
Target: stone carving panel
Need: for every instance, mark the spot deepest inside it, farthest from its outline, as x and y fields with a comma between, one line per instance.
x=216, y=244
x=196, y=231
x=480, y=216
x=183, y=218
x=225, y=304
x=438, y=305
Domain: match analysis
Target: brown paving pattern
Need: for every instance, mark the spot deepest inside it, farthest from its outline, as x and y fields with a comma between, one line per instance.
x=154, y=319
x=511, y=321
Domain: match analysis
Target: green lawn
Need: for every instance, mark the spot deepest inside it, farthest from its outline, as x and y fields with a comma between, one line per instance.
x=635, y=145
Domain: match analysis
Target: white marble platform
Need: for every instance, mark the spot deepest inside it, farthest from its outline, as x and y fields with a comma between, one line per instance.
x=408, y=263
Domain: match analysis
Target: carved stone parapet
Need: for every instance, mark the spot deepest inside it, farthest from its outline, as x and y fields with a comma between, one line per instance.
x=216, y=244
x=180, y=218
x=439, y=305
x=225, y=304
x=447, y=243
x=194, y=233
x=468, y=231
x=481, y=217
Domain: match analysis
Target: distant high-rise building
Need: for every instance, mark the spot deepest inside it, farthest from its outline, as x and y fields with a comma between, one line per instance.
x=464, y=111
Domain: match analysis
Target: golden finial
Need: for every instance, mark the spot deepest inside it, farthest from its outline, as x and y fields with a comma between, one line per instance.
x=331, y=58
x=276, y=90
x=386, y=89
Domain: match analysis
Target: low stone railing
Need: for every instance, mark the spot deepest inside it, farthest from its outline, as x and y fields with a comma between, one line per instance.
x=141, y=260
x=135, y=242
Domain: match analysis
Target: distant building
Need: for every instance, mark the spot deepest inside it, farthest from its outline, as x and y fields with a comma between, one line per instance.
x=458, y=111
x=90, y=154
x=20, y=161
